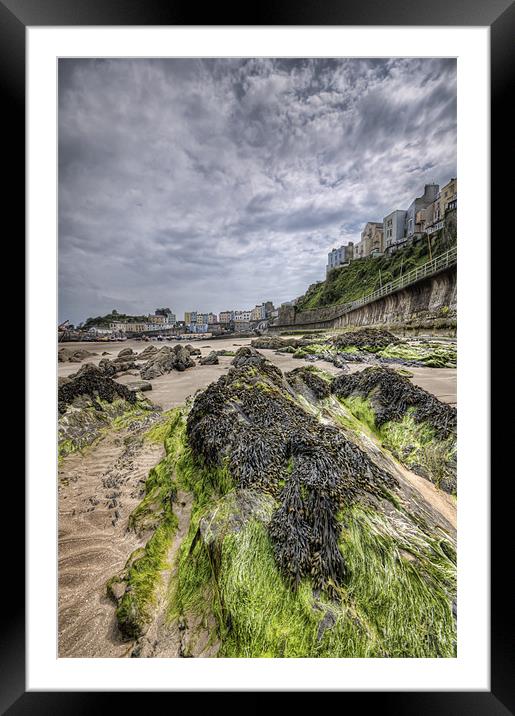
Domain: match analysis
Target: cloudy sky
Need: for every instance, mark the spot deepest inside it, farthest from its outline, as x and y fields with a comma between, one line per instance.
x=214, y=184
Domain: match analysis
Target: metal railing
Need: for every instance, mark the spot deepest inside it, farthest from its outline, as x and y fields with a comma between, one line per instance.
x=439, y=263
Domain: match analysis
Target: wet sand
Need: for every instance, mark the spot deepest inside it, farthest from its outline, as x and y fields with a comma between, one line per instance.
x=97, y=492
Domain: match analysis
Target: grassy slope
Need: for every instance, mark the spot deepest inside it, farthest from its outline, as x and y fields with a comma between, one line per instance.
x=366, y=275
x=104, y=321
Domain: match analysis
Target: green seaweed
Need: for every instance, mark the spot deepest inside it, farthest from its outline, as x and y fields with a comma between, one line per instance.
x=142, y=573
x=362, y=409
x=83, y=427
x=395, y=603
x=403, y=588
x=416, y=445
x=431, y=354
x=134, y=611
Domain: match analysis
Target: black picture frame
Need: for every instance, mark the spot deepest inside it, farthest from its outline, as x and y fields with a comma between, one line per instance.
x=499, y=15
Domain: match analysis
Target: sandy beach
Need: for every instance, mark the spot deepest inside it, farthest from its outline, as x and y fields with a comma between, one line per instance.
x=173, y=388
x=99, y=488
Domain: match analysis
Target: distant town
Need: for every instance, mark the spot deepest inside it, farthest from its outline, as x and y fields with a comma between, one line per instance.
x=425, y=215
x=164, y=322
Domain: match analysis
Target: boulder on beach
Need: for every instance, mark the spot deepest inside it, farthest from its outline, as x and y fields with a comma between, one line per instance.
x=307, y=381
x=247, y=356
x=114, y=367
x=126, y=352
x=365, y=338
x=146, y=353
x=73, y=355
x=92, y=384
x=414, y=425
x=88, y=369
x=161, y=362
x=165, y=360
x=273, y=342
x=210, y=359
x=139, y=386
x=182, y=358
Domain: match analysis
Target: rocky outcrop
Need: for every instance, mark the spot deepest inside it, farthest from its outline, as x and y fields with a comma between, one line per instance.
x=276, y=343
x=147, y=353
x=139, y=386
x=370, y=338
x=122, y=364
x=273, y=342
x=414, y=425
x=126, y=353
x=210, y=359
x=248, y=356
x=392, y=395
x=93, y=384
x=87, y=369
x=249, y=417
x=309, y=382
x=73, y=355
x=165, y=360
x=311, y=536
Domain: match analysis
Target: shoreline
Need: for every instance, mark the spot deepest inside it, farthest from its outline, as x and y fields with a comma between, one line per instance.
x=172, y=389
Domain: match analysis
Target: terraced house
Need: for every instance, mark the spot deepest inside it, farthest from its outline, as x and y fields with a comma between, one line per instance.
x=371, y=239
x=122, y=327
x=226, y=316
x=340, y=256
x=394, y=228
x=415, y=212
x=448, y=196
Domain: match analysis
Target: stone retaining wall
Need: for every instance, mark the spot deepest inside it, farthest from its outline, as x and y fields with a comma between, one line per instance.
x=426, y=305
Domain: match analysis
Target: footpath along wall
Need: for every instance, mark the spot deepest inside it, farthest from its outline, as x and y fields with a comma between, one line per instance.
x=428, y=305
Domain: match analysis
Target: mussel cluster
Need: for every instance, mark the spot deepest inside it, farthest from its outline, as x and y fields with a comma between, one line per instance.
x=249, y=419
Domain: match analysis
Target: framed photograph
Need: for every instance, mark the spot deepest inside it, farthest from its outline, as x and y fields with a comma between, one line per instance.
x=258, y=452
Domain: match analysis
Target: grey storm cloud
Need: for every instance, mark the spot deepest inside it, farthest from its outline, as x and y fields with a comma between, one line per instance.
x=221, y=183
